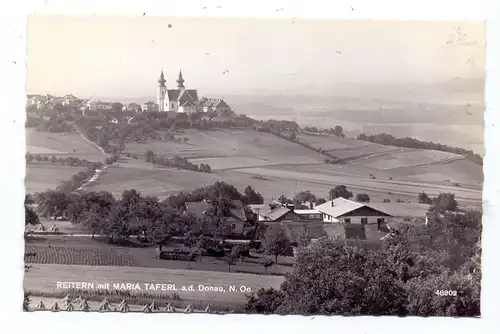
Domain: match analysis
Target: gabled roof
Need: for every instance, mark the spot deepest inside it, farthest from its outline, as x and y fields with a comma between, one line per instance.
x=173, y=94
x=342, y=206
x=238, y=213
x=273, y=214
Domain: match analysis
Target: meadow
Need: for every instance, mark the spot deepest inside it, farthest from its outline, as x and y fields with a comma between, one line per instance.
x=43, y=278
x=43, y=176
x=234, y=149
x=61, y=145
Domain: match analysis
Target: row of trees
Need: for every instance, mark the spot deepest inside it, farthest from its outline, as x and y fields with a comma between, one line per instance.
x=176, y=162
x=70, y=161
x=442, y=202
x=307, y=196
x=336, y=131
x=132, y=214
x=416, y=272
x=387, y=139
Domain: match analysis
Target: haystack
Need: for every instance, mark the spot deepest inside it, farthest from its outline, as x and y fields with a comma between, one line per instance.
x=146, y=309
x=40, y=228
x=84, y=306
x=169, y=308
x=104, y=305
x=154, y=306
x=188, y=309
x=70, y=307
x=55, y=307
x=40, y=305
x=66, y=300
x=54, y=229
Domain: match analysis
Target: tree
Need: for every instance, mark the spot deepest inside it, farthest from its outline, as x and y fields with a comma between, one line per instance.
x=253, y=197
x=265, y=301
x=423, y=198
x=31, y=218
x=363, y=198
x=321, y=201
x=444, y=202
x=149, y=156
x=117, y=106
x=305, y=196
x=340, y=191
x=276, y=242
x=53, y=203
x=332, y=277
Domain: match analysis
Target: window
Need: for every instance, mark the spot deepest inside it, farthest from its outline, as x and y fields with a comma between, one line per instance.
x=233, y=226
x=347, y=220
x=364, y=220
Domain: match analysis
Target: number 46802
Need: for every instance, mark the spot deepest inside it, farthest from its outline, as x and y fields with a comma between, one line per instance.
x=452, y=293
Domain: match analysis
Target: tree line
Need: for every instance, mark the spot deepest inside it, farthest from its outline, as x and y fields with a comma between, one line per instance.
x=387, y=139
x=176, y=162
x=70, y=161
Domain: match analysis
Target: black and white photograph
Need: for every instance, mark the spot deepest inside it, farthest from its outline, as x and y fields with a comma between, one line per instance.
x=254, y=166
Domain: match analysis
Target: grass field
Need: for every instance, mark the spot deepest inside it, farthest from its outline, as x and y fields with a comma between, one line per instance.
x=226, y=149
x=43, y=176
x=61, y=144
x=43, y=278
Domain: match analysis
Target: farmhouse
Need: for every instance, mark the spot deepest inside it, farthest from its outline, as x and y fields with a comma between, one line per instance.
x=218, y=106
x=236, y=218
x=350, y=212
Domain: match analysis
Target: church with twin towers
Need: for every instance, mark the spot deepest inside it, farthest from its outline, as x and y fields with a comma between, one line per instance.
x=184, y=100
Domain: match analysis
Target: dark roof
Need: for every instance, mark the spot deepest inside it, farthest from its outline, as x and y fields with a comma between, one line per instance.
x=273, y=214
x=239, y=214
x=173, y=94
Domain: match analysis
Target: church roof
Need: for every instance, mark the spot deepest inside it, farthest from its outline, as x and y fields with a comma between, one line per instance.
x=173, y=94
x=183, y=95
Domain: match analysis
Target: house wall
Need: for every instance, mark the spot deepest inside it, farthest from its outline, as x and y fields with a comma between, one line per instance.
x=289, y=217
x=357, y=219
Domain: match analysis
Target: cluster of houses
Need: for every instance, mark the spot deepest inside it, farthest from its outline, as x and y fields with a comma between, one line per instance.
x=341, y=217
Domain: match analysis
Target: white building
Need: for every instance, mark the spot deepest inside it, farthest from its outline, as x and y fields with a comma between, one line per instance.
x=341, y=210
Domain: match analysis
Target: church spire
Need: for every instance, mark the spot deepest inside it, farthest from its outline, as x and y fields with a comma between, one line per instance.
x=162, y=80
x=180, y=81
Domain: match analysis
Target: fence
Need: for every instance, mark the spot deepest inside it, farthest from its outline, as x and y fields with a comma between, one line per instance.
x=81, y=304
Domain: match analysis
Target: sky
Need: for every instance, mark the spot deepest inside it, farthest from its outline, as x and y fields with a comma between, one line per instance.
x=119, y=56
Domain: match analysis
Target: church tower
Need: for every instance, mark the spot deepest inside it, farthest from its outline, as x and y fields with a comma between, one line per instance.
x=180, y=81
x=162, y=91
